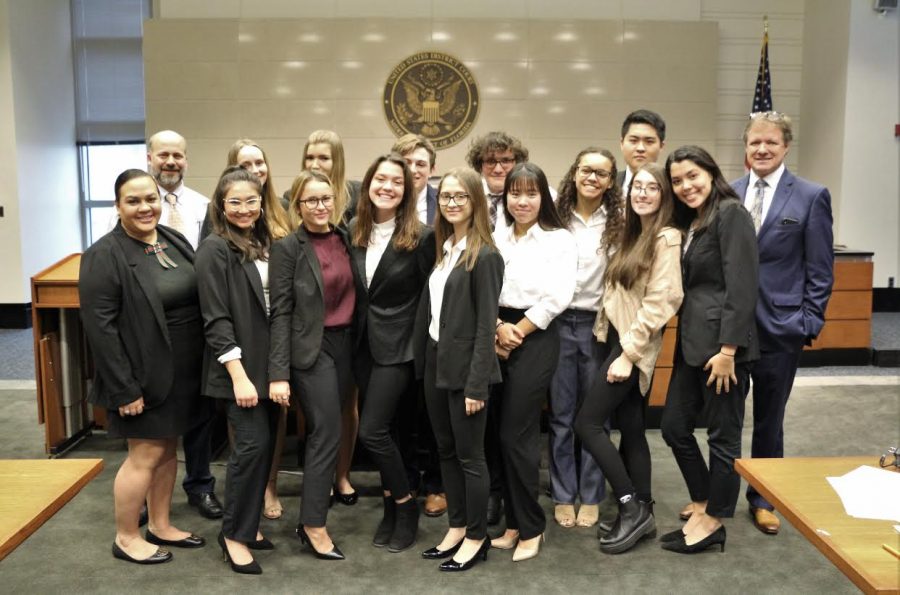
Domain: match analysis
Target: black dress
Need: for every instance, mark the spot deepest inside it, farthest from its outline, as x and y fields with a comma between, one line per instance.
x=183, y=408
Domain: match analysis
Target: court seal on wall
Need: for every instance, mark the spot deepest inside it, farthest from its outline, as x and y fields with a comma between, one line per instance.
x=432, y=94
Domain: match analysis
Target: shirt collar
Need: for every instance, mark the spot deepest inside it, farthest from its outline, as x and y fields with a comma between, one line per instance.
x=177, y=192
x=596, y=218
x=423, y=195
x=771, y=180
x=449, y=246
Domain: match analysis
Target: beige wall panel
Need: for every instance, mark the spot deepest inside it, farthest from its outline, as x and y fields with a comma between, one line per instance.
x=199, y=40
x=193, y=80
x=285, y=119
x=206, y=159
x=574, y=9
x=480, y=9
x=787, y=79
x=571, y=119
x=577, y=40
x=675, y=10
x=500, y=115
x=781, y=30
x=287, y=80
x=555, y=80
x=290, y=39
x=479, y=39
x=653, y=41
x=360, y=118
x=362, y=80
x=379, y=39
x=747, y=53
x=381, y=8
x=754, y=8
x=264, y=9
x=500, y=80
x=195, y=119
x=196, y=9
x=671, y=82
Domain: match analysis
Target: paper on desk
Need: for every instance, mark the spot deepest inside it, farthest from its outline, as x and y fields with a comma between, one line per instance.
x=869, y=493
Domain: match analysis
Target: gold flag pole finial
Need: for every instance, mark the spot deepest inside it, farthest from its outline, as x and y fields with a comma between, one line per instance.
x=766, y=23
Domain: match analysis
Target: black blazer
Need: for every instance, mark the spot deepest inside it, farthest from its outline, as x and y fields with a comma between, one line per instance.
x=466, y=359
x=297, y=303
x=234, y=315
x=720, y=277
x=389, y=306
x=124, y=321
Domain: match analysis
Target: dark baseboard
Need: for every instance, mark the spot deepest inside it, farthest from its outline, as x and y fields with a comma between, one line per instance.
x=886, y=299
x=836, y=357
x=15, y=315
x=886, y=358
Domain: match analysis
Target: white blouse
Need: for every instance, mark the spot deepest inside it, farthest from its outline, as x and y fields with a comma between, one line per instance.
x=378, y=242
x=591, y=260
x=438, y=281
x=540, y=272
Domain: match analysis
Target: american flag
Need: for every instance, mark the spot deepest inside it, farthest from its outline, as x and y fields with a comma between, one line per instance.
x=762, y=97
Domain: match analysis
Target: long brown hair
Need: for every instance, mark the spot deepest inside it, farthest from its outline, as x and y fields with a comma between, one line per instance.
x=306, y=176
x=338, y=173
x=611, y=201
x=408, y=228
x=527, y=177
x=276, y=217
x=252, y=244
x=634, y=252
x=479, y=232
x=720, y=189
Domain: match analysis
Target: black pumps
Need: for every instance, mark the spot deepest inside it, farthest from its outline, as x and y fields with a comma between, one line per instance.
x=452, y=565
x=717, y=537
x=334, y=554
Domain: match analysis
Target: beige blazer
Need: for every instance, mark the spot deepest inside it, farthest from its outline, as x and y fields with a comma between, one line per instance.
x=641, y=313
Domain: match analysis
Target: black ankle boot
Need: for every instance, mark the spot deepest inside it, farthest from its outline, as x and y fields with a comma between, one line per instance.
x=406, y=527
x=634, y=522
x=386, y=526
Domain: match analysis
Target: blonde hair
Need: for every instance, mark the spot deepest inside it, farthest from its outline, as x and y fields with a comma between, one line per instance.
x=276, y=218
x=338, y=173
x=306, y=176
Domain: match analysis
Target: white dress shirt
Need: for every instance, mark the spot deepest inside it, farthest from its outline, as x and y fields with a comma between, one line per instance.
x=438, y=281
x=501, y=223
x=540, y=272
x=768, y=193
x=192, y=207
x=591, y=260
x=378, y=242
x=422, y=206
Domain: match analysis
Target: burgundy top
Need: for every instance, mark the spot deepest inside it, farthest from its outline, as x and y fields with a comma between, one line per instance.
x=340, y=292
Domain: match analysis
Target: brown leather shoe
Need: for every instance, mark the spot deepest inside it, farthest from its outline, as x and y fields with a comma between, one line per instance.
x=765, y=520
x=435, y=504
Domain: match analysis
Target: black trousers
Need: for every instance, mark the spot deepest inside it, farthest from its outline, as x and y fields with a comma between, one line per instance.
x=773, y=378
x=323, y=390
x=460, y=442
x=592, y=423
x=526, y=379
x=382, y=389
x=198, y=479
x=248, y=467
x=688, y=395
x=415, y=439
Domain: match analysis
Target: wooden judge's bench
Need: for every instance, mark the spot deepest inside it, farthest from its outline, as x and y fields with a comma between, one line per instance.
x=63, y=365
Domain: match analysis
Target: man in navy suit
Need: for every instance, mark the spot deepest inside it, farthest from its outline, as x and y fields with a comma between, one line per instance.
x=420, y=156
x=793, y=220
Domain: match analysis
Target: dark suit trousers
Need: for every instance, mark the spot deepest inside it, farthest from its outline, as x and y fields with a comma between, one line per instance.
x=460, y=442
x=382, y=389
x=323, y=390
x=592, y=426
x=248, y=467
x=688, y=394
x=773, y=376
x=526, y=379
x=198, y=479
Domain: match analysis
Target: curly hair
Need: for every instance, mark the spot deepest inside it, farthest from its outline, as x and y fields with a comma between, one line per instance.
x=611, y=202
x=493, y=142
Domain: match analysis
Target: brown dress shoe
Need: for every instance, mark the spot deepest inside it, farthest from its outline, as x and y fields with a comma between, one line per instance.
x=765, y=520
x=435, y=504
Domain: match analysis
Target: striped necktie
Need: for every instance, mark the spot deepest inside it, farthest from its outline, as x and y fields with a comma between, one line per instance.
x=175, y=220
x=756, y=208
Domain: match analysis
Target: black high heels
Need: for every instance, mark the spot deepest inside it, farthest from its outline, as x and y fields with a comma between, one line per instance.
x=252, y=567
x=334, y=554
x=161, y=555
x=436, y=554
x=452, y=565
x=717, y=537
x=676, y=535
x=345, y=499
x=260, y=544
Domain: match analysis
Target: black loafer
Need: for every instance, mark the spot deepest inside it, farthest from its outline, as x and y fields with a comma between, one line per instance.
x=207, y=503
x=161, y=555
x=190, y=541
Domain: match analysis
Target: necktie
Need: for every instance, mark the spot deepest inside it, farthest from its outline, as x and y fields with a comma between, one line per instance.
x=756, y=208
x=492, y=211
x=175, y=220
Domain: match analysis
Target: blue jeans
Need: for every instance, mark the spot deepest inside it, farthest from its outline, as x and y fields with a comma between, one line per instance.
x=579, y=360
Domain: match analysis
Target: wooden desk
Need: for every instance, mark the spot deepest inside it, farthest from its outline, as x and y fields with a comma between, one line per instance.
x=798, y=489
x=32, y=491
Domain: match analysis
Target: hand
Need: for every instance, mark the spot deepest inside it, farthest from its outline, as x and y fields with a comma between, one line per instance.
x=133, y=408
x=721, y=370
x=501, y=352
x=245, y=394
x=280, y=392
x=473, y=406
x=509, y=336
x=620, y=369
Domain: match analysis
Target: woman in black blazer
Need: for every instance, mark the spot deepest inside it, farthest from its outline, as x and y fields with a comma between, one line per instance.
x=716, y=342
x=455, y=334
x=315, y=293
x=397, y=253
x=232, y=268
x=141, y=316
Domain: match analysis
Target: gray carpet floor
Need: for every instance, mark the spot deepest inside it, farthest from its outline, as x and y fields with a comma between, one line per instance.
x=71, y=552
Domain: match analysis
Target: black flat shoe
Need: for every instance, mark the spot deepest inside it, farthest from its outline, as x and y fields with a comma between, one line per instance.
x=161, y=555
x=250, y=568
x=676, y=535
x=717, y=537
x=436, y=554
x=260, y=544
x=207, y=504
x=190, y=541
x=334, y=554
x=143, y=517
x=345, y=499
x=452, y=565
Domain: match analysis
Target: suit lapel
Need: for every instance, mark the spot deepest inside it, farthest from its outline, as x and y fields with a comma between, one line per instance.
x=431, y=203
x=782, y=195
x=381, y=271
x=133, y=256
x=740, y=188
x=359, y=258
x=309, y=252
x=252, y=273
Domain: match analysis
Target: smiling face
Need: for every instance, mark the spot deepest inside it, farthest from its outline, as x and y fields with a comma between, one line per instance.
x=242, y=205
x=316, y=205
x=386, y=190
x=454, y=213
x=640, y=145
x=495, y=167
x=167, y=159
x=691, y=183
x=251, y=158
x=593, y=176
x=645, y=195
x=765, y=147
x=524, y=202
x=419, y=162
x=139, y=208
x=318, y=158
